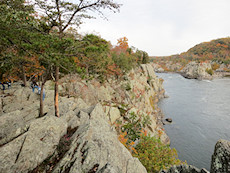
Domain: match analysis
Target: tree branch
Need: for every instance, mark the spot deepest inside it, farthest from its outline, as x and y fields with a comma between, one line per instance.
x=76, y=11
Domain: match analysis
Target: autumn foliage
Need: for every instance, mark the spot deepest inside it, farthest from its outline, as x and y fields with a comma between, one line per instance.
x=216, y=51
x=152, y=153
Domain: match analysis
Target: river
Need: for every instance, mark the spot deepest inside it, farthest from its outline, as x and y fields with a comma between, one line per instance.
x=201, y=116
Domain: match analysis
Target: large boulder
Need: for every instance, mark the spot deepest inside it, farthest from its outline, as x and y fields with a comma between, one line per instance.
x=195, y=70
x=221, y=157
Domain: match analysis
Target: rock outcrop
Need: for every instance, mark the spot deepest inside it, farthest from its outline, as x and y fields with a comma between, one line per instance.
x=194, y=70
x=138, y=91
x=81, y=140
x=221, y=157
x=185, y=169
x=220, y=161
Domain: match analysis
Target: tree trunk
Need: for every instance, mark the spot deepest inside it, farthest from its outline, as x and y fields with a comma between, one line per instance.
x=41, y=113
x=23, y=76
x=56, y=92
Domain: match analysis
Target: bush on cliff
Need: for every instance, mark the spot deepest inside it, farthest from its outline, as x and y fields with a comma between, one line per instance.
x=209, y=71
x=151, y=152
x=155, y=155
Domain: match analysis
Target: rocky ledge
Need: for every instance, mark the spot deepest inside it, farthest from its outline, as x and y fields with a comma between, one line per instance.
x=81, y=140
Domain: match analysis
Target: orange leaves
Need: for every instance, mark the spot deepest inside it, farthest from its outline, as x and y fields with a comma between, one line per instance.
x=32, y=68
x=122, y=46
x=76, y=60
x=114, y=69
x=144, y=132
x=222, y=45
x=124, y=140
x=123, y=43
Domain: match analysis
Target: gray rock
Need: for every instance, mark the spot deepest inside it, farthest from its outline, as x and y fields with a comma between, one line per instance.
x=11, y=125
x=221, y=157
x=168, y=120
x=195, y=70
x=113, y=113
x=148, y=70
x=30, y=149
x=184, y=169
x=96, y=147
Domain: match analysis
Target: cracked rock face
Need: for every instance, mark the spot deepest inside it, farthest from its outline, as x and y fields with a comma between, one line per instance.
x=81, y=140
x=28, y=150
x=95, y=148
x=221, y=157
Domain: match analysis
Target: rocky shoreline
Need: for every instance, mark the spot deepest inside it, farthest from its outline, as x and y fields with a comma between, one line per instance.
x=194, y=70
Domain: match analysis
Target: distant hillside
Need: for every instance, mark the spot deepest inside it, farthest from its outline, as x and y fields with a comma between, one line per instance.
x=218, y=49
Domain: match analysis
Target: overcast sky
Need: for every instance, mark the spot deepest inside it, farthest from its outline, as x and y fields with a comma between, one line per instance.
x=164, y=27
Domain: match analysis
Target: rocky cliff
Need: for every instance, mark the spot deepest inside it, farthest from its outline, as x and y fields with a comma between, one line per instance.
x=221, y=157
x=139, y=91
x=83, y=139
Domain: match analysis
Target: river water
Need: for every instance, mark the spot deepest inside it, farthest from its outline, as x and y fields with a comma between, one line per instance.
x=201, y=116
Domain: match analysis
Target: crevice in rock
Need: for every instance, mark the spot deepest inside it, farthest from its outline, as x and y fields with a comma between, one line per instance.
x=63, y=147
x=83, y=151
x=46, y=165
x=75, y=150
x=20, y=150
x=28, y=97
x=67, y=170
x=14, y=137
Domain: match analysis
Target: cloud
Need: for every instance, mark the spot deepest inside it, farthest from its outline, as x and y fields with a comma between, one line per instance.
x=164, y=27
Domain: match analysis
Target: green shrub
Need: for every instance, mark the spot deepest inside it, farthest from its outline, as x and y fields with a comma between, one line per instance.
x=127, y=86
x=154, y=155
x=135, y=125
x=209, y=71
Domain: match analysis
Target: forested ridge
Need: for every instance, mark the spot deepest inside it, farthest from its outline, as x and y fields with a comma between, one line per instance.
x=216, y=51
